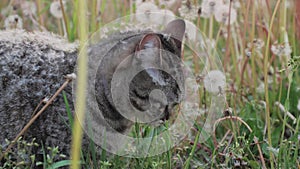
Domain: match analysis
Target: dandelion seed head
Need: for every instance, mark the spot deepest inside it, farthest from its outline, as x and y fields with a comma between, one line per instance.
x=257, y=44
x=281, y=49
x=56, y=9
x=235, y=3
x=222, y=15
x=209, y=7
x=13, y=22
x=214, y=81
x=71, y=76
x=28, y=8
x=144, y=12
x=188, y=10
x=248, y=52
x=163, y=16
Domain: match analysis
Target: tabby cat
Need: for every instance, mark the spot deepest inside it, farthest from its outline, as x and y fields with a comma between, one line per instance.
x=32, y=68
x=152, y=60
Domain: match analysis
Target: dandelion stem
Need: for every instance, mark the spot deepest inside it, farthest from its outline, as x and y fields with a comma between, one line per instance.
x=65, y=21
x=268, y=120
x=253, y=67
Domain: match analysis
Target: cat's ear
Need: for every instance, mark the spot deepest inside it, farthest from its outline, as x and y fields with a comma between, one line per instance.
x=176, y=29
x=149, y=41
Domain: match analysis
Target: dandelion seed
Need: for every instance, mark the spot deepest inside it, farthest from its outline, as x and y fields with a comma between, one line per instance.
x=261, y=88
x=163, y=17
x=209, y=7
x=235, y=3
x=274, y=150
x=28, y=8
x=71, y=76
x=56, y=9
x=298, y=106
x=13, y=22
x=188, y=10
x=144, y=12
x=281, y=49
x=214, y=81
x=248, y=52
x=236, y=163
x=46, y=100
x=257, y=44
x=222, y=15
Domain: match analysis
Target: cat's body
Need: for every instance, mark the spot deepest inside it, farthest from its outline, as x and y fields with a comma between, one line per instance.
x=23, y=86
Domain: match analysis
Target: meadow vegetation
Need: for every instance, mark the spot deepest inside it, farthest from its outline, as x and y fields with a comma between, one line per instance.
x=257, y=42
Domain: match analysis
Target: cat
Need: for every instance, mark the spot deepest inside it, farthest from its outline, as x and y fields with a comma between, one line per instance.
x=32, y=69
x=147, y=50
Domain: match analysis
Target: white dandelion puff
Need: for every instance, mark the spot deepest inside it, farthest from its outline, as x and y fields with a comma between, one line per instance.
x=56, y=9
x=71, y=76
x=144, y=12
x=222, y=15
x=281, y=49
x=167, y=3
x=13, y=22
x=248, y=52
x=209, y=7
x=163, y=17
x=188, y=10
x=235, y=3
x=256, y=43
x=215, y=81
x=28, y=8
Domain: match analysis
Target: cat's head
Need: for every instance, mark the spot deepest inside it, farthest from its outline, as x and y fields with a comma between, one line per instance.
x=159, y=87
